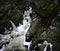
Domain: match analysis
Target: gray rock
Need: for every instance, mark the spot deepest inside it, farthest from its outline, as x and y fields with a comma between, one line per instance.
x=32, y=29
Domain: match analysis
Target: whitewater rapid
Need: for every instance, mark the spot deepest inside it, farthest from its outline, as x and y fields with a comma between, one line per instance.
x=22, y=29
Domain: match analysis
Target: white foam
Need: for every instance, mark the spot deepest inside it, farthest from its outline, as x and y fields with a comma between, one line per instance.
x=21, y=29
x=46, y=43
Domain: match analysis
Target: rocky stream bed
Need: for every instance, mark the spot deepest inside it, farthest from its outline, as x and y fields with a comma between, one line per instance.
x=29, y=25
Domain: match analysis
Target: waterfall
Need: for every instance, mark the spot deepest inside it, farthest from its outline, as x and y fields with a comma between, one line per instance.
x=26, y=25
x=22, y=29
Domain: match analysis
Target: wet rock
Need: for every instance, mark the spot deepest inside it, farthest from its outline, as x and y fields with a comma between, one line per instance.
x=32, y=30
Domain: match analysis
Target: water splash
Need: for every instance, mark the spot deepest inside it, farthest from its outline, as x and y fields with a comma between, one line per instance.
x=46, y=43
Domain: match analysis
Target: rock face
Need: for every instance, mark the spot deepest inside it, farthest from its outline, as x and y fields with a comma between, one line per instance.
x=31, y=32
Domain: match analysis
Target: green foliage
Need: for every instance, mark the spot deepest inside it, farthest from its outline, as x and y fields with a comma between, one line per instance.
x=48, y=6
x=9, y=11
x=52, y=36
x=40, y=4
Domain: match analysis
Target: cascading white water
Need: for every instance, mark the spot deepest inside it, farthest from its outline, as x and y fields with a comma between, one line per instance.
x=26, y=25
x=22, y=29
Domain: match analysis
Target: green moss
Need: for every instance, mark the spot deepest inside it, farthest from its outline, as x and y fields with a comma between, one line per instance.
x=42, y=4
x=50, y=6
